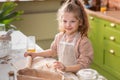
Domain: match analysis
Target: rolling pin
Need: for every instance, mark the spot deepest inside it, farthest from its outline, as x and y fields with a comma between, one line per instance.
x=11, y=75
x=28, y=62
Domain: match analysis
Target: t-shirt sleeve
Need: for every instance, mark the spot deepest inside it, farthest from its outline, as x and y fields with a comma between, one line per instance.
x=85, y=53
x=54, y=44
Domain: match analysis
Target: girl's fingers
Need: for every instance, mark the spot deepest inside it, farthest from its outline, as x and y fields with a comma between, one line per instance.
x=58, y=65
x=25, y=54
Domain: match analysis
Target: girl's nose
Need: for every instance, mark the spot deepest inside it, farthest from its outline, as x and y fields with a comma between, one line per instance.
x=68, y=24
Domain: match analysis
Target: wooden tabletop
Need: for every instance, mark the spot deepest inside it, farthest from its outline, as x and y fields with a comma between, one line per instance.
x=113, y=16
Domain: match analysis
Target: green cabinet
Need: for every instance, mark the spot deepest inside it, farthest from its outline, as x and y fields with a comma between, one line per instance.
x=105, y=38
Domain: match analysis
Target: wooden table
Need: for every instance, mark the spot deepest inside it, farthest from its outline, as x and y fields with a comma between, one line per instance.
x=18, y=60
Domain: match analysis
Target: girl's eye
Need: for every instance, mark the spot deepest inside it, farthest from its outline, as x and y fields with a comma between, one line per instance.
x=72, y=21
x=64, y=21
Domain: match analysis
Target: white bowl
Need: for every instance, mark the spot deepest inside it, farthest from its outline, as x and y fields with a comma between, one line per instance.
x=87, y=74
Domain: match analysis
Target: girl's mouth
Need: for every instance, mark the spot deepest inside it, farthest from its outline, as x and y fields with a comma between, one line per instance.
x=68, y=28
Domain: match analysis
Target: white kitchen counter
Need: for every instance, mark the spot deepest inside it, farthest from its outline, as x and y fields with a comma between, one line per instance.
x=17, y=53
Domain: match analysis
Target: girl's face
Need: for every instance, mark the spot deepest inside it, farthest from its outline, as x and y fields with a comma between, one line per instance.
x=70, y=23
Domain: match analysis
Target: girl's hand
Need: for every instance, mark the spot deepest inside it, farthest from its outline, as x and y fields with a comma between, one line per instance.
x=33, y=55
x=59, y=65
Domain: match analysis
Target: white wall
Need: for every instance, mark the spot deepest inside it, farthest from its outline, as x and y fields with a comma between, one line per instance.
x=42, y=25
x=39, y=19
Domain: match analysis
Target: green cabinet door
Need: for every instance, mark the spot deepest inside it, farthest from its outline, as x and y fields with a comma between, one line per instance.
x=95, y=35
x=105, y=38
x=111, y=48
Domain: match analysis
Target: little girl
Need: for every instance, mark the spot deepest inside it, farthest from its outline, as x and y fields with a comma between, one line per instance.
x=71, y=45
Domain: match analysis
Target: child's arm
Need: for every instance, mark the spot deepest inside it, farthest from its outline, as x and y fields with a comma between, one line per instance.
x=45, y=53
x=73, y=68
x=61, y=67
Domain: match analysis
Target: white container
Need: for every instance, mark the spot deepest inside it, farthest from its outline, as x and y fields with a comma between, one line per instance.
x=87, y=74
x=100, y=77
x=5, y=48
x=31, y=44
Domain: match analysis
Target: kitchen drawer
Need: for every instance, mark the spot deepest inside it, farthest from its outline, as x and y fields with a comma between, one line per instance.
x=111, y=58
x=94, y=19
x=105, y=23
x=112, y=48
x=112, y=25
x=112, y=35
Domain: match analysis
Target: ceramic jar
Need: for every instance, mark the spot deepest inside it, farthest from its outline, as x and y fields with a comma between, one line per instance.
x=5, y=45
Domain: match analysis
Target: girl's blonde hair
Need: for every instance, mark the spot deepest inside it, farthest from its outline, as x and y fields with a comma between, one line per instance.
x=77, y=8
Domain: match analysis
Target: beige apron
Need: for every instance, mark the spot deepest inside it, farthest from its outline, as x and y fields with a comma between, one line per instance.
x=66, y=52
x=66, y=55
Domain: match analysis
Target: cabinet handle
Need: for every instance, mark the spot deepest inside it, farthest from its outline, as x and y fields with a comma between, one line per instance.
x=112, y=24
x=111, y=51
x=112, y=38
x=92, y=18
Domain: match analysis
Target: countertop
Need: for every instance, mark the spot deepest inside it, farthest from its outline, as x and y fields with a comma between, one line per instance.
x=113, y=16
x=17, y=55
